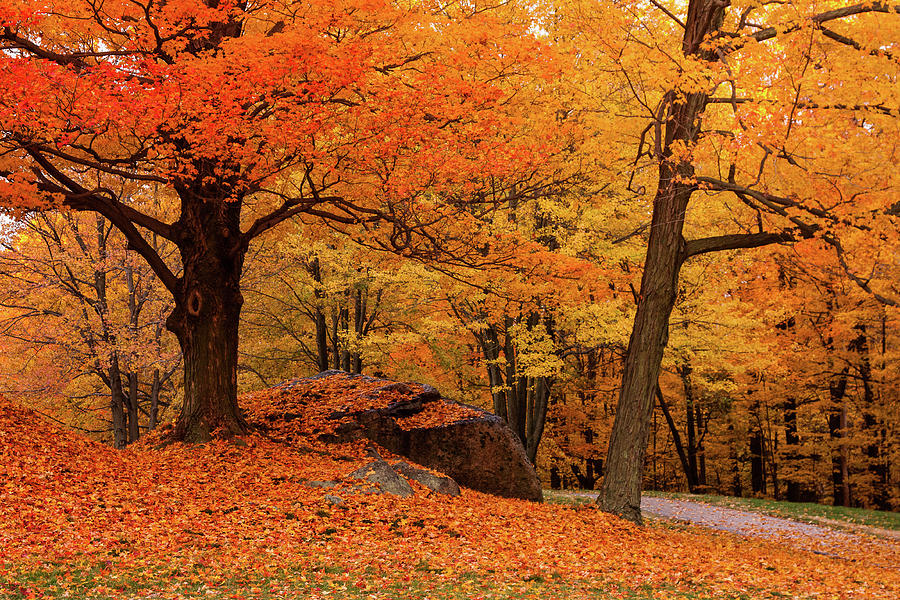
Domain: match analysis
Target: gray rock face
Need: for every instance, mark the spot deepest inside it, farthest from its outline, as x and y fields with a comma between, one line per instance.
x=383, y=478
x=480, y=452
x=436, y=483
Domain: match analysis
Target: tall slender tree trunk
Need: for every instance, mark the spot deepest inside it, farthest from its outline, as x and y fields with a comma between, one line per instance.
x=153, y=419
x=676, y=437
x=621, y=490
x=792, y=440
x=700, y=452
x=737, y=487
x=693, y=478
x=335, y=338
x=757, y=462
x=321, y=327
x=879, y=495
x=134, y=414
x=837, y=428
x=206, y=316
x=117, y=403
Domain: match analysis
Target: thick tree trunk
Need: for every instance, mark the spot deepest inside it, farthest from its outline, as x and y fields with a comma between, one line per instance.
x=621, y=490
x=205, y=319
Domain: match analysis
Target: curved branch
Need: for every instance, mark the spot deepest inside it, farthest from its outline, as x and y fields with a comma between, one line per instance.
x=862, y=283
x=830, y=15
x=123, y=217
x=76, y=196
x=99, y=166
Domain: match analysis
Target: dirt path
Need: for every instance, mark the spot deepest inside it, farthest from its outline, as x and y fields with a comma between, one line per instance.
x=821, y=539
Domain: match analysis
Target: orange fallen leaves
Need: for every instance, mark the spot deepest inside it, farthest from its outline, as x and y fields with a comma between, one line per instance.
x=438, y=413
x=225, y=506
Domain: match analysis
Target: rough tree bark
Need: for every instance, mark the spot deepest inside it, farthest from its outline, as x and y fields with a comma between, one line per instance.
x=677, y=126
x=207, y=312
x=666, y=251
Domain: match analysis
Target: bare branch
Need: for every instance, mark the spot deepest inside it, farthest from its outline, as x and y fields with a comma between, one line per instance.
x=733, y=242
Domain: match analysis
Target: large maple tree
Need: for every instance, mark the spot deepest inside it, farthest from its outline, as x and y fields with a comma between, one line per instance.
x=235, y=116
x=781, y=111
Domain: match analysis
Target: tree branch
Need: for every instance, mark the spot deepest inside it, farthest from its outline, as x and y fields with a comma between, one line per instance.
x=862, y=283
x=123, y=217
x=733, y=242
x=667, y=12
x=830, y=15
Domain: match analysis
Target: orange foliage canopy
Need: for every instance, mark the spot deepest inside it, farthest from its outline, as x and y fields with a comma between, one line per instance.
x=222, y=507
x=207, y=124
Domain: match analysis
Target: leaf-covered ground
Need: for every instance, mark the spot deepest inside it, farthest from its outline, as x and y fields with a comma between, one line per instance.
x=234, y=519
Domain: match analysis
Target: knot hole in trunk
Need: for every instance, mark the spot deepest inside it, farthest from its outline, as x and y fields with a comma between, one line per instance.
x=194, y=303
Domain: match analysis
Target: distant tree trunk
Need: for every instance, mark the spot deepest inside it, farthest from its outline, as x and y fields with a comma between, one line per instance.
x=153, y=419
x=538, y=400
x=117, y=404
x=792, y=440
x=757, y=462
x=134, y=425
x=837, y=427
x=335, y=339
x=345, y=330
x=879, y=496
x=770, y=451
x=700, y=452
x=555, y=479
x=359, y=320
x=676, y=438
x=737, y=487
x=520, y=400
x=592, y=470
x=684, y=371
x=319, y=315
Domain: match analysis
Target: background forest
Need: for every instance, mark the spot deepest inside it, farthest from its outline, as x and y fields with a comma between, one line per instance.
x=779, y=381
x=780, y=377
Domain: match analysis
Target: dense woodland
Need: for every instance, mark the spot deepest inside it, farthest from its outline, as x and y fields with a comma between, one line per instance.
x=464, y=195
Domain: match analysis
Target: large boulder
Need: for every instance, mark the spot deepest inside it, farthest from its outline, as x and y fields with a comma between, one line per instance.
x=475, y=448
